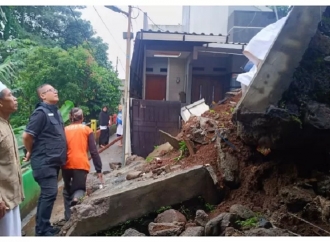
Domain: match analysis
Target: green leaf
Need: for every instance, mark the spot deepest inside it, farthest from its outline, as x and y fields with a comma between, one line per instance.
x=65, y=110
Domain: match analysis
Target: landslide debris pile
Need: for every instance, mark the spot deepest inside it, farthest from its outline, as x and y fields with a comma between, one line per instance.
x=240, y=221
x=289, y=187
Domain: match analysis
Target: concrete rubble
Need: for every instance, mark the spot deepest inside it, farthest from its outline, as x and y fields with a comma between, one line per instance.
x=124, y=199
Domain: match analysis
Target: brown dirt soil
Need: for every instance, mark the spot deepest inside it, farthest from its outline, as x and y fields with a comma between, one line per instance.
x=261, y=177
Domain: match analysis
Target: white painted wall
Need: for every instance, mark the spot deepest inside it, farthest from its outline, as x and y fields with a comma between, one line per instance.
x=211, y=19
x=176, y=69
x=156, y=63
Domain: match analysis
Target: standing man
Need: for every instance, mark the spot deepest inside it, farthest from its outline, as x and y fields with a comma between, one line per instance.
x=11, y=190
x=44, y=140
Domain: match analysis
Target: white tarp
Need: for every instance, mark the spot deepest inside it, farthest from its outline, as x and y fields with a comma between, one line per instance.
x=257, y=49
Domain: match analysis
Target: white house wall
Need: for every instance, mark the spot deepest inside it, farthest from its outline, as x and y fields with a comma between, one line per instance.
x=207, y=19
x=176, y=70
x=211, y=19
x=156, y=63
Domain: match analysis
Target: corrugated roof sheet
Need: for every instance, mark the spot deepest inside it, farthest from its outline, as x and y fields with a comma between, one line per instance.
x=176, y=32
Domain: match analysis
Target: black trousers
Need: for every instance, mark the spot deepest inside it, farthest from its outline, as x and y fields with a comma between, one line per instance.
x=46, y=177
x=74, y=187
x=104, y=136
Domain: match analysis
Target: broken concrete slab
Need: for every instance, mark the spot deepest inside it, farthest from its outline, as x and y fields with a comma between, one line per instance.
x=175, y=143
x=127, y=200
x=161, y=150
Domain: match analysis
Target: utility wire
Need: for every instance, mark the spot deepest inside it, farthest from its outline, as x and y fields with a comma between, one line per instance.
x=90, y=48
x=137, y=7
x=108, y=30
x=121, y=64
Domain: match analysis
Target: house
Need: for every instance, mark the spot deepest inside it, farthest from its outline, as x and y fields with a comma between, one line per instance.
x=240, y=23
x=183, y=67
x=172, y=69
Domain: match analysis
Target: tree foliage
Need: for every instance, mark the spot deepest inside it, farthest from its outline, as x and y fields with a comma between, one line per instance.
x=52, y=44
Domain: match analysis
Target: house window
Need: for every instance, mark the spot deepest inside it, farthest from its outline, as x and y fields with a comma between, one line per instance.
x=148, y=69
x=163, y=70
x=219, y=69
x=198, y=68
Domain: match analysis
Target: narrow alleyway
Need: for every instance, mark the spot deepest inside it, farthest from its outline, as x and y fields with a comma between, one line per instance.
x=110, y=155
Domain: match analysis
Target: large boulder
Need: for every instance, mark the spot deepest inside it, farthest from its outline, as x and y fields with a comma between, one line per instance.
x=170, y=216
x=217, y=225
x=242, y=211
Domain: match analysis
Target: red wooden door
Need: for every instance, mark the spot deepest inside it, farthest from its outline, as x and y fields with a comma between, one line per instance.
x=207, y=87
x=155, y=87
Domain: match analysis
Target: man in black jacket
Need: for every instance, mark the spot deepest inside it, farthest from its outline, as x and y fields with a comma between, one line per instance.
x=44, y=140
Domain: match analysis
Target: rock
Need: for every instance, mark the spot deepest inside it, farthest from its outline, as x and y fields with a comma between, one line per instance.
x=133, y=175
x=133, y=158
x=264, y=223
x=114, y=166
x=230, y=231
x=267, y=232
x=170, y=216
x=242, y=211
x=318, y=115
x=323, y=187
x=133, y=233
x=311, y=211
x=193, y=231
x=324, y=207
x=175, y=167
x=295, y=198
x=228, y=165
x=207, y=124
x=201, y=218
x=189, y=224
x=217, y=225
x=161, y=150
x=165, y=229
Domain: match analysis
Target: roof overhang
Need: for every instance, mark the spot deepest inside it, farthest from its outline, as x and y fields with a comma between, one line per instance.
x=164, y=36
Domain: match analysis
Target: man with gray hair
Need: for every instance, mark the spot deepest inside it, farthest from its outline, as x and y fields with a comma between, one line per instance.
x=11, y=190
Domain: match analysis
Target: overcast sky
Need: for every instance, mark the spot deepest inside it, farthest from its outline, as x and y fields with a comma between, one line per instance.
x=117, y=24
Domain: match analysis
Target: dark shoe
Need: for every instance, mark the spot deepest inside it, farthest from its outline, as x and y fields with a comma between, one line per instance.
x=74, y=203
x=51, y=232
